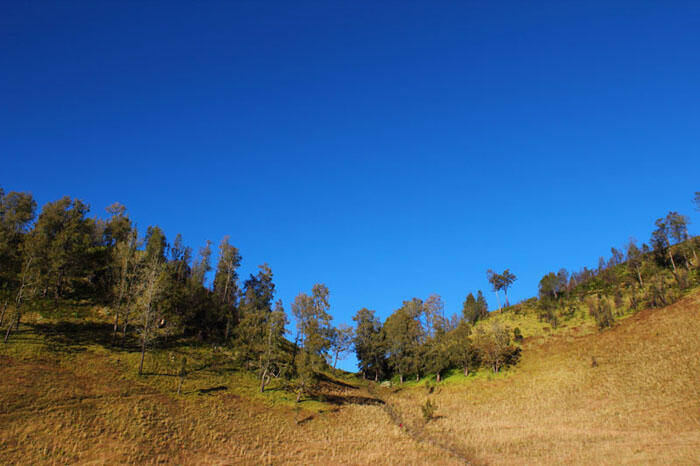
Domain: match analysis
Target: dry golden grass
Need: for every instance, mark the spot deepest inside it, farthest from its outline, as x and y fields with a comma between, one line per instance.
x=67, y=400
x=641, y=404
x=76, y=404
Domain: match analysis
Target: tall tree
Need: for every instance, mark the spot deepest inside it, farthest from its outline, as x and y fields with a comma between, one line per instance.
x=156, y=244
x=125, y=263
x=404, y=335
x=678, y=232
x=507, y=279
x=470, y=311
x=493, y=344
x=255, y=308
x=369, y=342
x=341, y=342
x=501, y=281
x=273, y=357
x=314, y=328
x=661, y=242
x=148, y=294
x=17, y=210
x=461, y=351
x=434, y=315
x=482, y=306
x=226, y=281
x=634, y=260
x=62, y=237
x=203, y=265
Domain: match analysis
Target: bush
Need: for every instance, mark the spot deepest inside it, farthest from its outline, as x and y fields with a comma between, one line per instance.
x=428, y=410
x=517, y=335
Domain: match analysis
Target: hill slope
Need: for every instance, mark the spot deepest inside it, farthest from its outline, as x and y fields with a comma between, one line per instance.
x=68, y=399
x=638, y=403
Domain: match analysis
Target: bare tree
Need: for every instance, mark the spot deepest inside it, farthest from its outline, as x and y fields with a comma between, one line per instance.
x=341, y=342
x=147, y=300
x=22, y=292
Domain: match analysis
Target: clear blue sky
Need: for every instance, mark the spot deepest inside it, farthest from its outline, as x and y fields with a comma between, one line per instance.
x=386, y=149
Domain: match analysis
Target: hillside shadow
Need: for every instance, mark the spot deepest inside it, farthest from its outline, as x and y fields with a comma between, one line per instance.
x=340, y=400
x=73, y=337
x=324, y=378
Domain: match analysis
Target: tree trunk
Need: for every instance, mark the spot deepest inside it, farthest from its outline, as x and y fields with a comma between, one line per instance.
x=438, y=377
x=143, y=354
x=505, y=293
x=401, y=378
x=116, y=325
x=263, y=382
x=417, y=377
x=673, y=263
x=7, y=334
x=639, y=275
x=2, y=316
x=228, y=327
x=376, y=375
x=499, y=300
x=466, y=371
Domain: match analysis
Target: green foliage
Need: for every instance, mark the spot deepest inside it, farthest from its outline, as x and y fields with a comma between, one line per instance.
x=492, y=342
x=404, y=335
x=369, y=343
x=428, y=410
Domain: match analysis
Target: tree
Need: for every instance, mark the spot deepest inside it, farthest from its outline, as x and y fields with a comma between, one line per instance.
x=369, y=342
x=492, y=342
x=226, y=281
x=481, y=306
x=434, y=315
x=61, y=241
x=634, y=260
x=404, y=335
x=255, y=311
x=203, y=266
x=180, y=257
x=273, y=357
x=500, y=282
x=496, y=284
x=660, y=241
x=314, y=327
x=124, y=261
x=553, y=284
x=461, y=351
x=507, y=279
x=155, y=244
x=341, y=342
x=470, y=311
x=678, y=232
x=17, y=210
x=147, y=300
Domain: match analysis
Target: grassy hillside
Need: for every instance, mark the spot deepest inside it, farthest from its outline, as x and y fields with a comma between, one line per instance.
x=67, y=396
x=639, y=402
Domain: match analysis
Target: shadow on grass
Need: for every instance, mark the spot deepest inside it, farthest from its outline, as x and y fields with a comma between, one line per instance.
x=75, y=337
x=340, y=400
x=205, y=391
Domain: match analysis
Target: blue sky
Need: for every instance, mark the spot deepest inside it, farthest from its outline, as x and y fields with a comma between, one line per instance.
x=386, y=149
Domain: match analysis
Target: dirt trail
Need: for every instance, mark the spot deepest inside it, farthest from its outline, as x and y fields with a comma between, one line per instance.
x=418, y=433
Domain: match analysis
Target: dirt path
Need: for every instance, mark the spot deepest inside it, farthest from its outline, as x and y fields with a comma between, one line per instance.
x=418, y=433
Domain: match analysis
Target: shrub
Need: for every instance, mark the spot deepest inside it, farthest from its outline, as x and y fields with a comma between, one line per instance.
x=428, y=410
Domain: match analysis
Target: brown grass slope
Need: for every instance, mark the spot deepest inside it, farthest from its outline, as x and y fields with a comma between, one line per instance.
x=639, y=405
x=75, y=404
x=67, y=400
